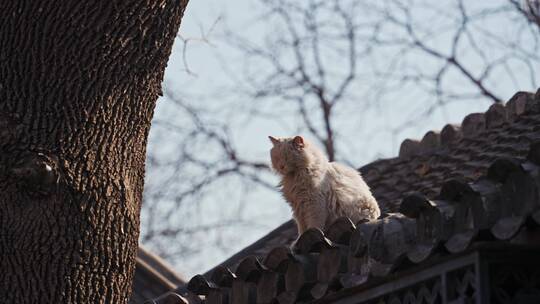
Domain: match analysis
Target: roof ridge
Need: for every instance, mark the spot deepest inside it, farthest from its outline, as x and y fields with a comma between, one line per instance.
x=522, y=102
x=153, y=263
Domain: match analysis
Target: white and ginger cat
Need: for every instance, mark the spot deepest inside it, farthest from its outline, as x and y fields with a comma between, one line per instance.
x=319, y=191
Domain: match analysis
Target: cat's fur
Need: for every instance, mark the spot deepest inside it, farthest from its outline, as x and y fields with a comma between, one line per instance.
x=319, y=191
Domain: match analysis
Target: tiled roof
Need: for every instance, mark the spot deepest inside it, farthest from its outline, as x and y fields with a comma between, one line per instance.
x=153, y=277
x=478, y=181
x=456, y=152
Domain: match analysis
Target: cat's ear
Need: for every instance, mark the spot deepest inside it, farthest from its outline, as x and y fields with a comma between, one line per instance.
x=298, y=142
x=274, y=140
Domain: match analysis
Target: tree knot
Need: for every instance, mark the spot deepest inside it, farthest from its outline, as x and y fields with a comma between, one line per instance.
x=37, y=173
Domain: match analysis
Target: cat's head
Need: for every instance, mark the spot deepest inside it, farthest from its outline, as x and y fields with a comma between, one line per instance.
x=289, y=154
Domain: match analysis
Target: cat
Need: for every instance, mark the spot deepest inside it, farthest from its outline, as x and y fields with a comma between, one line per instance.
x=317, y=190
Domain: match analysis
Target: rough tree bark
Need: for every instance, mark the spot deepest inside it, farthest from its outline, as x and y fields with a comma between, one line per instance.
x=78, y=85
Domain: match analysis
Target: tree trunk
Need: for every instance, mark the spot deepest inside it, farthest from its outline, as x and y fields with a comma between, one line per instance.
x=78, y=86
